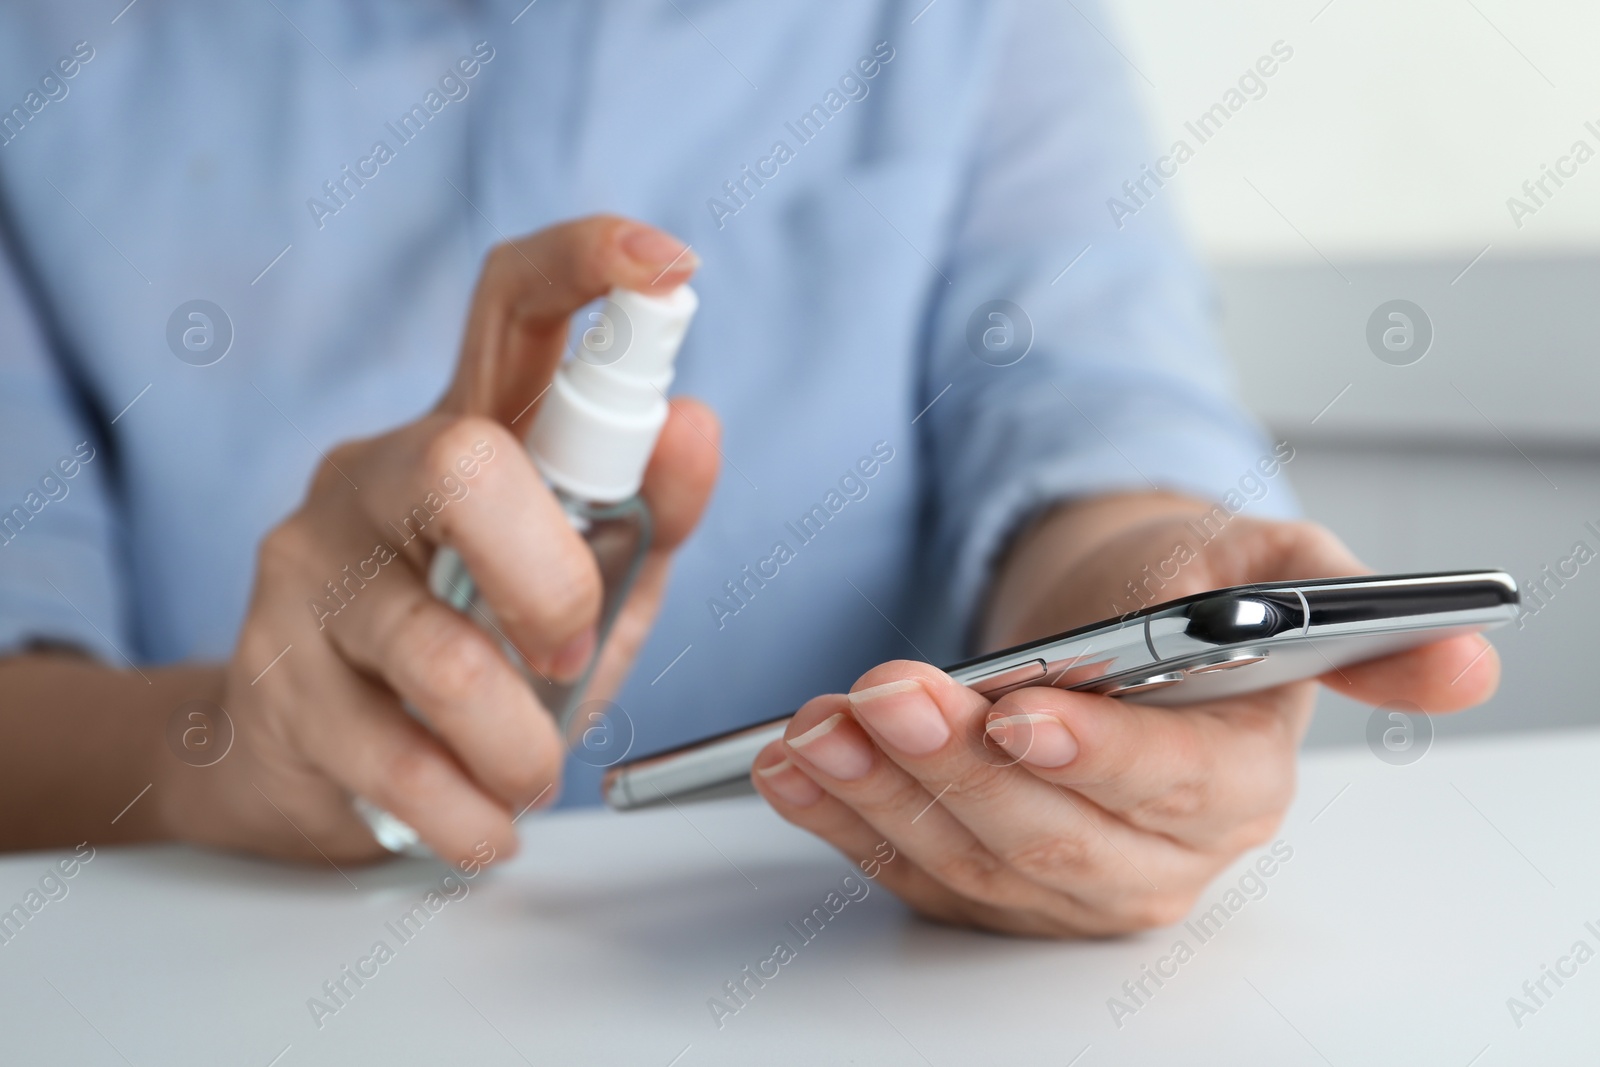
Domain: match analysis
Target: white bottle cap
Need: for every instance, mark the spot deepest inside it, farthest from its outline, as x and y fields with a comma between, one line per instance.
x=598, y=424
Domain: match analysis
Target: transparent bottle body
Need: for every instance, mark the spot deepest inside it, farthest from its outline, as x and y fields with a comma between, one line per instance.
x=619, y=535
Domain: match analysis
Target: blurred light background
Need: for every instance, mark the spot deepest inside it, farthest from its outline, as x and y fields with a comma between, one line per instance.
x=1377, y=166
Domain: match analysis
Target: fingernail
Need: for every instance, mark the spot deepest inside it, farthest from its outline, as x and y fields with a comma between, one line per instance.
x=657, y=250
x=835, y=752
x=572, y=657
x=790, y=783
x=1033, y=738
x=904, y=714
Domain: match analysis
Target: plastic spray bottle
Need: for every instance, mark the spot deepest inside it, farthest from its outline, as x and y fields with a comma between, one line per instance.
x=591, y=440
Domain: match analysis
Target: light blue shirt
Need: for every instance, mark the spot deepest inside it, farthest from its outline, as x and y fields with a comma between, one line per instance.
x=861, y=179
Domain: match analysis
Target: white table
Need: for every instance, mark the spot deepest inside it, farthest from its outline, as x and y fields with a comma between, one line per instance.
x=1418, y=899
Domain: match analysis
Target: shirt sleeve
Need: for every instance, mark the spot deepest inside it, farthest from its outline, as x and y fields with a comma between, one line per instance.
x=59, y=578
x=1072, y=351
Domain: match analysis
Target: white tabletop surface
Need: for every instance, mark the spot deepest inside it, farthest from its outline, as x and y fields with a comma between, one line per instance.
x=1418, y=899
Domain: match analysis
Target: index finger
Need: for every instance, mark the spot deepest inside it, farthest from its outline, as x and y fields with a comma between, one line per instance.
x=529, y=288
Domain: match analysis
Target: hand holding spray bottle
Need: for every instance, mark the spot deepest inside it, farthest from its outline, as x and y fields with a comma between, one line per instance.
x=591, y=439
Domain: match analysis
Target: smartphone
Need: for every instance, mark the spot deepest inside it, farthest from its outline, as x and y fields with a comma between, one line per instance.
x=1199, y=648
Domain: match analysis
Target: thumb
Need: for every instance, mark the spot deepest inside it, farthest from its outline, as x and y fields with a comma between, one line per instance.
x=530, y=287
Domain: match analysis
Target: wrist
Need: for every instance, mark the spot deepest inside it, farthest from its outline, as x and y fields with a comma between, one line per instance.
x=91, y=738
x=1026, y=598
x=187, y=737
x=154, y=752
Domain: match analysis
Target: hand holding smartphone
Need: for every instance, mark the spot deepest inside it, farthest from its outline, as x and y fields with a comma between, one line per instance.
x=1199, y=648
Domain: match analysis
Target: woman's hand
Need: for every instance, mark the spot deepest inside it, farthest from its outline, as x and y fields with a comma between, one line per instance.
x=342, y=629
x=1068, y=814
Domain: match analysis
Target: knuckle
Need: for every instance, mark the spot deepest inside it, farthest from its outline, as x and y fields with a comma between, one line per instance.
x=1145, y=911
x=1186, y=790
x=1252, y=833
x=455, y=440
x=331, y=473
x=506, y=273
x=972, y=872
x=1262, y=722
x=593, y=258
x=286, y=548
x=451, y=660
x=901, y=796
x=983, y=784
x=567, y=600
x=1055, y=859
x=596, y=249
x=257, y=710
x=501, y=259
x=574, y=592
x=460, y=665
x=406, y=772
x=1182, y=800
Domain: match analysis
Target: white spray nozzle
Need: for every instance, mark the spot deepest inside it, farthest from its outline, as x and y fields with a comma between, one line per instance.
x=598, y=424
